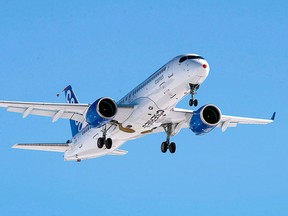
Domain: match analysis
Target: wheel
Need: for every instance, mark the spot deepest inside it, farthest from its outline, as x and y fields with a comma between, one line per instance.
x=108, y=143
x=191, y=102
x=164, y=147
x=172, y=148
x=195, y=103
x=100, y=142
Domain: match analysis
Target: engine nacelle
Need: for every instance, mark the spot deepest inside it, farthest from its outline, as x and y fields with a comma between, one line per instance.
x=205, y=119
x=101, y=112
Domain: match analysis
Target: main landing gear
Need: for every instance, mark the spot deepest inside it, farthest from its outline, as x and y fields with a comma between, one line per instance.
x=167, y=145
x=193, y=91
x=103, y=141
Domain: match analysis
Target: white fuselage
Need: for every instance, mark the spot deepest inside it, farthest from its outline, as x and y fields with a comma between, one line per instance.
x=153, y=99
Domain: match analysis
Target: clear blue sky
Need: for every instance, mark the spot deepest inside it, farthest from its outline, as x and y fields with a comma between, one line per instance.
x=106, y=49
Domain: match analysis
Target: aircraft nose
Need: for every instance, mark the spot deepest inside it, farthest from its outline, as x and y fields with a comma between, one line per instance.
x=202, y=68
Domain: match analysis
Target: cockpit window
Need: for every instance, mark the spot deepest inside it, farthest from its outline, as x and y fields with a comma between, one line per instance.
x=184, y=58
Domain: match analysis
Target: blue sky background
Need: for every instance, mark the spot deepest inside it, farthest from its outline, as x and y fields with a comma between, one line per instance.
x=106, y=49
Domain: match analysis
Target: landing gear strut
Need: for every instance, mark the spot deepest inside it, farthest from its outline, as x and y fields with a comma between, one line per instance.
x=103, y=141
x=193, y=91
x=167, y=145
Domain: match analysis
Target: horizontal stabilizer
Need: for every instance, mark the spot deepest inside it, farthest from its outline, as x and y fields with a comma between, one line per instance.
x=118, y=152
x=54, y=147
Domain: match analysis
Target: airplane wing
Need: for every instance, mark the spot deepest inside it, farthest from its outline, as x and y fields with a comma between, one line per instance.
x=233, y=121
x=53, y=110
x=58, y=110
x=182, y=118
x=54, y=147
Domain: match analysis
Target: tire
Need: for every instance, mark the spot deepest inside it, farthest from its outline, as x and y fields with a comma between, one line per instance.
x=100, y=143
x=172, y=148
x=164, y=147
x=108, y=143
x=195, y=103
x=190, y=102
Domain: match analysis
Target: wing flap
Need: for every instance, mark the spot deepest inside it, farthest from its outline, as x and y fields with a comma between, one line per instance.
x=54, y=147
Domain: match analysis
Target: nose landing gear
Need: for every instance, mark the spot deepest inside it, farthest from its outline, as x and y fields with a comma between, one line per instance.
x=193, y=91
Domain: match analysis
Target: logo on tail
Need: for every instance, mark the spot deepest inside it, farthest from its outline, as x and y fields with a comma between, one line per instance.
x=72, y=99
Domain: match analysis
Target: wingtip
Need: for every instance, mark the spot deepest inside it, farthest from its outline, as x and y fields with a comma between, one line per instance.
x=14, y=146
x=273, y=116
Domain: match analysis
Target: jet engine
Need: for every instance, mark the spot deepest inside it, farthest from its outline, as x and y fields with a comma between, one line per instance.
x=205, y=119
x=101, y=112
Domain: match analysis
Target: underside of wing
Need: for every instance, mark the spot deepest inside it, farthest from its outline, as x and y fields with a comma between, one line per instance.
x=182, y=117
x=54, y=147
x=233, y=121
x=53, y=110
x=59, y=110
x=123, y=112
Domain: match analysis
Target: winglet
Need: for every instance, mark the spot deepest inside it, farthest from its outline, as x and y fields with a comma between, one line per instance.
x=273, y=116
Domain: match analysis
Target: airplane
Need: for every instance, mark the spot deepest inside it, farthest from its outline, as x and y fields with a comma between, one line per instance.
x=102, y=127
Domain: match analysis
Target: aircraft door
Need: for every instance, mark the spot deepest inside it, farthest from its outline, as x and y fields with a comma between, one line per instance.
x=169, y=69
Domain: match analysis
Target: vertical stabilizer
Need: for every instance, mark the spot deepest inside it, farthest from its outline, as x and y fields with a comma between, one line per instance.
x=71, y=98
